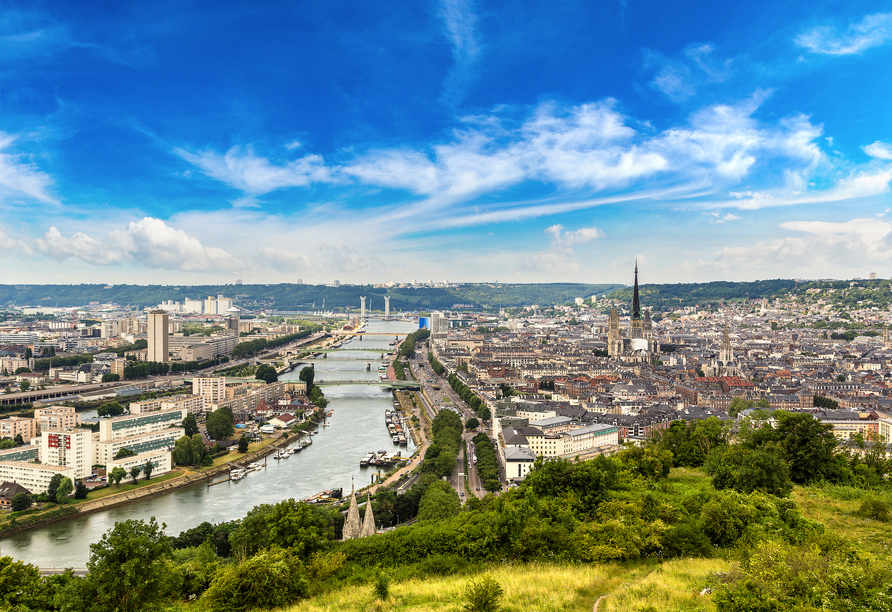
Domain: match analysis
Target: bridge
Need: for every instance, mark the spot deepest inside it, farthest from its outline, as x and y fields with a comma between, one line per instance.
x=364, y=350
x=388, y=384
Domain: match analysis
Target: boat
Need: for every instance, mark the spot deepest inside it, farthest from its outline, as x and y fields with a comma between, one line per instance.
x=279, y=454
x=326, y=496
x=364, y=462
x=306, y=443
x=237, y=474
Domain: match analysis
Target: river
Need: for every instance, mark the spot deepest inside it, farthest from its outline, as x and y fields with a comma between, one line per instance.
x=356, y=428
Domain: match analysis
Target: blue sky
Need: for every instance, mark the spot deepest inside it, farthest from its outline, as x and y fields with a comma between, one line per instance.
x=185, y=142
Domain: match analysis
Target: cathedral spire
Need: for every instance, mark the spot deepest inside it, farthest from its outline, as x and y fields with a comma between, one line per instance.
x=636, y=304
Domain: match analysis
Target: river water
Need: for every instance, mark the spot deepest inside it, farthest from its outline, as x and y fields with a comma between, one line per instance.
x=356, y=428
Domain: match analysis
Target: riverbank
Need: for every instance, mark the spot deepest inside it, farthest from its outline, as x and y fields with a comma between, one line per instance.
x=187, y=477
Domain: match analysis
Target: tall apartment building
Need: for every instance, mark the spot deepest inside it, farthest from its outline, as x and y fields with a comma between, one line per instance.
x=56, y=417
x=158, y=336
x=144, y=434
x=111, y=329
x=212, y=388
x=71, y=448
x=13, y=426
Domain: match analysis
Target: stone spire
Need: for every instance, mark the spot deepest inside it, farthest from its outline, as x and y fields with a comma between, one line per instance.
x=352, y=528
x=726, y=355
x=636, y=303
x=368, y=523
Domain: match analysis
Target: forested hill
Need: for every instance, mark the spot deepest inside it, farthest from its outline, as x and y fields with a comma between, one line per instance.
x=294, y=297
x=662, y=297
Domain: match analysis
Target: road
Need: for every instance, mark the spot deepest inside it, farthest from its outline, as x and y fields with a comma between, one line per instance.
x=422, y=369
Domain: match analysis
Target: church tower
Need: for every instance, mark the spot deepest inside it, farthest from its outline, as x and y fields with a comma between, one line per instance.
x=368, y=522
x=352, y=527
x=614, y=343
x=726, y=355
x=636, y=326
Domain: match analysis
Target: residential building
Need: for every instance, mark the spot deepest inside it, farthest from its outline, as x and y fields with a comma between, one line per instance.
x=33, y=476
x=11, y=427
x=8, y=490
x=212, y=388
x=158, y=336
x=72, y=448
x=56, y=417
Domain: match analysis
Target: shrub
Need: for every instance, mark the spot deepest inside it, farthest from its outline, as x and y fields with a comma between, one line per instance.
x=483, y=595
x=382, y=586
x=272, y=578
x=876, y=509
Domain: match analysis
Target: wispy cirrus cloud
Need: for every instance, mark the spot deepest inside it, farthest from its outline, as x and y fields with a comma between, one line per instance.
x=18, y=175
x=589, y=154
x=872, y=31
x=460, y=27
x=243, y=169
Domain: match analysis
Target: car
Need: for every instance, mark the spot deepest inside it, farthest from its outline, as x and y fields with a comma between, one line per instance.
x=478, y=488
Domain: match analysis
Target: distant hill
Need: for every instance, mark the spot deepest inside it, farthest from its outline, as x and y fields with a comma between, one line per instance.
x=296, y=297
x=663, y=297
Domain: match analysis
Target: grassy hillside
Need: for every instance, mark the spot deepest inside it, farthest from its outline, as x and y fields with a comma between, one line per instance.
x=545, y=588
x=662, y=297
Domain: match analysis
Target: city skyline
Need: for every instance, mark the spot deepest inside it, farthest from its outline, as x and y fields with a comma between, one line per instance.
x=158, y=144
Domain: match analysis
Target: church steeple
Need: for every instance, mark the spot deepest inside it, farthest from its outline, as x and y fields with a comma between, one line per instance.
x=636, y=303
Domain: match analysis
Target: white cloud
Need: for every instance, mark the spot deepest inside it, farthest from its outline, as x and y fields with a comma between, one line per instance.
x=559, y=257
x=825, y=246
x=878, y=150
x=149, y=242
x=872, y=31
x=7, y=242
x=590, y=154
x=460, y=25
x=679, y=79
x=243, y=169
x=154, y=244
x=78, y=245
x=18, y=175
x=285, y=260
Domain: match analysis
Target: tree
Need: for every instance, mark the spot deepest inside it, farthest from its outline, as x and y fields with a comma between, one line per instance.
x=439, y=502
x=134, y=473
x=307, y=375
x=20, y=501
x=80, y=490
x=128, y=571
x=123, y=453
x=220, y=424
x=64, y=490
x=267, y=374
x=190, y=425
x=22, y=370
x=147, y=468
x=117, y=474
x=808, y=446
x=25, y=385
x=53, y=485
x=472, y=424
x=110, y=409
x=19, y=441
x=20, y=585
x=182, y=451
x=111, y=377
x=296, y=526
x=841, y=378
x=28, y=353
x=483, y=595
x=198, y=449
x=243, y=444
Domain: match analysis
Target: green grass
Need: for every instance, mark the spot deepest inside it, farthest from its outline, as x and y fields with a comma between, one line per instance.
x=126, y=485
x=835, y=506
